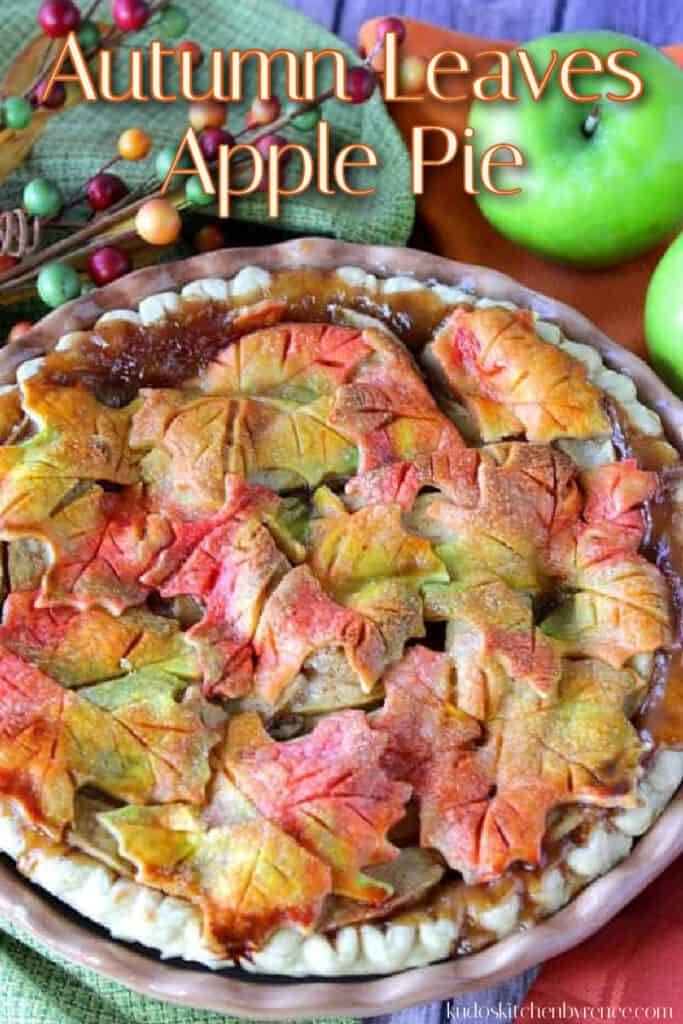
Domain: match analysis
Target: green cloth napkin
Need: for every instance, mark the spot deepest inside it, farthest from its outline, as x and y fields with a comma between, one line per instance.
x=36, y=986
x=81, y=140
x=39, y=987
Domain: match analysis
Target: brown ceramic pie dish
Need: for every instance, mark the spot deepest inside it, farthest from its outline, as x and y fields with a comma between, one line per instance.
x=601, y=844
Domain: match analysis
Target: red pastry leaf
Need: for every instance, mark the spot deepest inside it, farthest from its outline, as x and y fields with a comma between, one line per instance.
x=511, y=380
x=231, y=572
x=328, y=790
x=298, y=619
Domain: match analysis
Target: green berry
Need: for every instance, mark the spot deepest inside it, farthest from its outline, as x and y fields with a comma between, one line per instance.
x=174, y=22
x=18, y=113
x=42, y=198
x=88, y=36
x=194, y=192
x=57, y=284
x=165, y=158
x=308, y=121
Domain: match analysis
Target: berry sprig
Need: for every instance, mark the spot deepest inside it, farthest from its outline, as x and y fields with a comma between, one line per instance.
x=156, y=218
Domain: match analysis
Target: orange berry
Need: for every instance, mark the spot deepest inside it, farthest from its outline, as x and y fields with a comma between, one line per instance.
x=262, y=112
x=19, y=329
x=158, y=222
x=209, y=238
x=208, y=114
x=412, y=74
x=134, y=144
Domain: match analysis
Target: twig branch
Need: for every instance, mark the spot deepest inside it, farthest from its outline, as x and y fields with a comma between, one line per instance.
x=128, y=207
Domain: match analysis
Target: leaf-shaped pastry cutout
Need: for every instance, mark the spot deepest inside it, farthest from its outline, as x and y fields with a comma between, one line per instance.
x=78, y=648
x=388, y=411
x=453, y=471
x=488, y=808
x=231, y=571
x=528, y=495
x=192, y=442
x=299, y=618
x=492, y=639
x=294, y=361
x=327, y=790
x=249, y=877
x=511, y=380
x=420, y=717
x=621, y=603
x=172, y=731
x=52, y=741
x=77, y=439
x=622, y=609
x=368, y=561
x=349, y=550
x=102, y=545
x=485, y=807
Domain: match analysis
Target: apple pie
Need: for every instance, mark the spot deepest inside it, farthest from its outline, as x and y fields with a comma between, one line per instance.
x=340, y=625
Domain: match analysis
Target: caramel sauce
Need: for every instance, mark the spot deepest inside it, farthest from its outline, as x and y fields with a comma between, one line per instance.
x=118, y=357
x=661, y=719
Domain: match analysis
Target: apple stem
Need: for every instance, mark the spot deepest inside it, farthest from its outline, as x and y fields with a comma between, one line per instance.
x=592, y=121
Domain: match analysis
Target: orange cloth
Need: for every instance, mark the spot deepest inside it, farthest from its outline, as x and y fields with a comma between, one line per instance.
x=612, y=298
x=632, y=966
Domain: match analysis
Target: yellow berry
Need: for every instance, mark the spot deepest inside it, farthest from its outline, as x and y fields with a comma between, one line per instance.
x=208, y=114
x=158, y=222
x=412, y=74
x=134, y=144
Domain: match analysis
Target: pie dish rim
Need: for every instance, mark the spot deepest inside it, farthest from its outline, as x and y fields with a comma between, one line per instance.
x=25, y=905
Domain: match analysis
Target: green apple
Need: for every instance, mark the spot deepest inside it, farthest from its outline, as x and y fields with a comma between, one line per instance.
x=664, y=316
x=603, y=180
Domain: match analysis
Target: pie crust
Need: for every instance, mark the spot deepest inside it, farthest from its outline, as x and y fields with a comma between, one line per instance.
x=492, y=903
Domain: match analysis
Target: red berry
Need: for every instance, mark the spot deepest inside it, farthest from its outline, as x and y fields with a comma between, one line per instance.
x=263, y=145
x=58, y=17
x=7, y=261
x=107, y=264
x=360, y=84
x=104, y=190
x=19, y=330
x=209, y=238
x=130, y=15
x=56, y=97
x=195, y=51
x=385, y=25
x=211, y=139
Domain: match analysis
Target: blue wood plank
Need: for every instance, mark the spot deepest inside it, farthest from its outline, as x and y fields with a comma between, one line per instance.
x=658, y=21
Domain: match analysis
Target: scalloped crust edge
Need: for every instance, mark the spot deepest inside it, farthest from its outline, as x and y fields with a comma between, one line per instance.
x=137, y=913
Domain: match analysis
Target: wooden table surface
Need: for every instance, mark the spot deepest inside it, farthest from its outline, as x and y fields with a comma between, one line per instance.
x=657, y=21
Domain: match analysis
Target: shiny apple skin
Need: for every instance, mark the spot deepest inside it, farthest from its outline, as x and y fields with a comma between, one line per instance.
x=590, y=201
x=664, y=316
